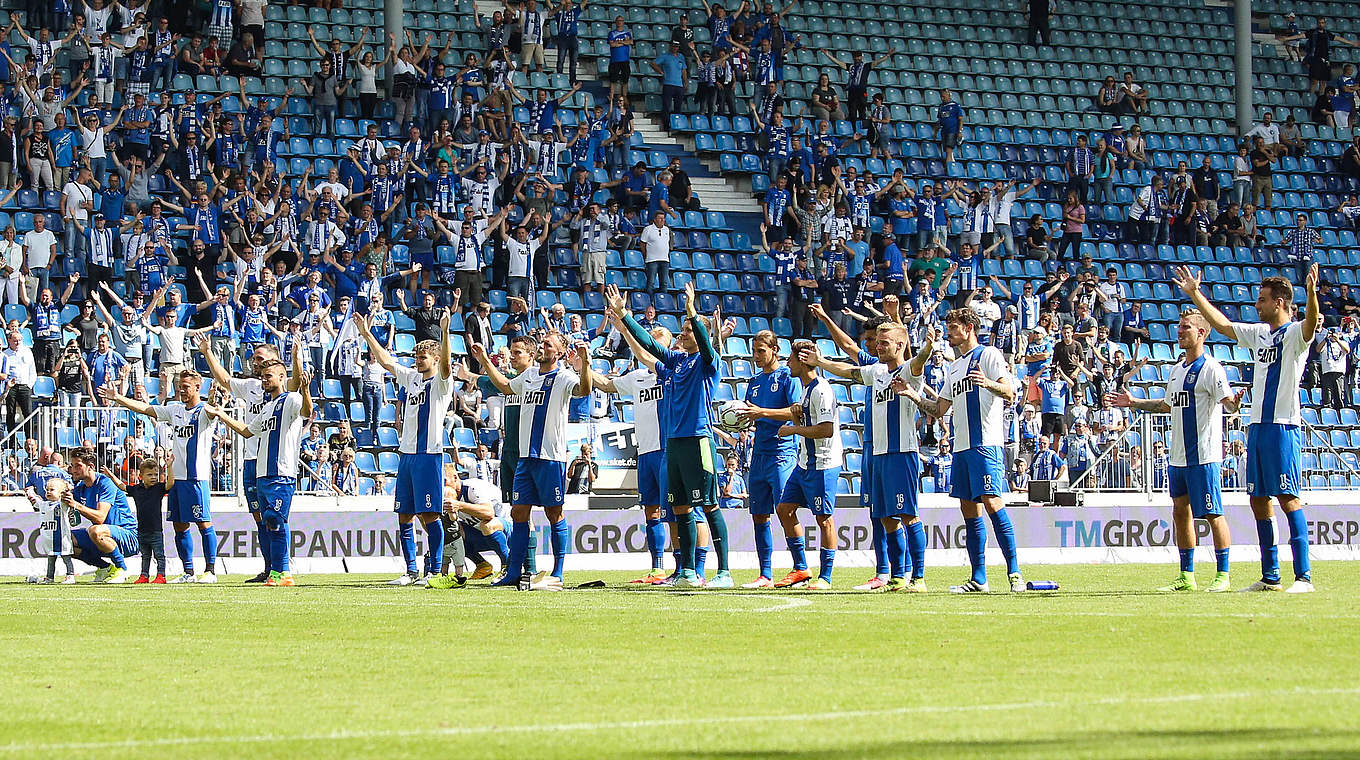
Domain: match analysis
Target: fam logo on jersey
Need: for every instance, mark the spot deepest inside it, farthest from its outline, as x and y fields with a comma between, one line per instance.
x=1180, y=399
x=653, y=393
x=960, y=387
x=185, y=431
x=268, y=424
x=1267, y=354
x=884, y=395
x=417, y=398
x=532, y=398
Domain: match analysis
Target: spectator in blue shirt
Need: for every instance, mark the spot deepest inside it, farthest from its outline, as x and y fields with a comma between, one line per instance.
x=674, y=79
x=620, y=54
x=949, y=124
x=731, y=486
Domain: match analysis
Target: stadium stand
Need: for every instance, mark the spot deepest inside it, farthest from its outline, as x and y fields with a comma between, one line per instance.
x=1022, y=110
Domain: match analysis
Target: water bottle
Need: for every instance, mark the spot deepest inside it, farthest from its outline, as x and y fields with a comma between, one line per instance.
x=1042, y=585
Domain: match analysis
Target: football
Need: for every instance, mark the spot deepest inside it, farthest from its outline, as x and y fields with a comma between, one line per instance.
x=728, y=418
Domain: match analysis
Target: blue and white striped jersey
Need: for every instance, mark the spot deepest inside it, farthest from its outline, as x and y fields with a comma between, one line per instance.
x=190, y=430
x=422, y=413
x=894, y=416
x=1279, y=357
x=819, y=405
x=976, y=414
x=278, y=427
x=646, y=390
x=544, y=398
x=1195, y=392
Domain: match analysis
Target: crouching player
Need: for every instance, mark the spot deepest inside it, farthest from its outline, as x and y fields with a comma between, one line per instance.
x=818, y=469
x=279, y=425
x=1196, y=395
x=114, y=531
x=475, y=517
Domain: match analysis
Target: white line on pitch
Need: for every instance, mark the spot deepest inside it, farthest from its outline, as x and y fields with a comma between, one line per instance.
x=534, y=728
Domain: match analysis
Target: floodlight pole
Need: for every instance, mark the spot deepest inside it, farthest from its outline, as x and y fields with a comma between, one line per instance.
x=392, y=25
x=1242, y=59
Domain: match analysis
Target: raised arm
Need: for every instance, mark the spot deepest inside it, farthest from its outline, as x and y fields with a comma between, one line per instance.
x=376, y=349
x=838, y=336
x=496, y=377
x=1312, y=317
x=1189, y=282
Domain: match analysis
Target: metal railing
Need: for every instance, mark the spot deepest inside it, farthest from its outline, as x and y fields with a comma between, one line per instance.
x=1115, y=468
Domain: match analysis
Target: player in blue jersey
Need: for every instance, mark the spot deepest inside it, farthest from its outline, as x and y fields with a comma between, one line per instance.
x=278, y=425
x=977, y=388
x=769, y=395
x=190, y=427
x=420, y=471
x=814, y=422
x=545, y=391
x=1279, y=348
x=893, y=484
x=692, y=375
x=113, y=531
x=1197, y=392
x=250, y=396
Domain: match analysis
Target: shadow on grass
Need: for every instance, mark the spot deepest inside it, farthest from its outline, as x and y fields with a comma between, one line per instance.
x=1203, y=743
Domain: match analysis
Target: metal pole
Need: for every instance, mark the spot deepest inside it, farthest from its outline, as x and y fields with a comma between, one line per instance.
x=392, y=26
x=1242, y=58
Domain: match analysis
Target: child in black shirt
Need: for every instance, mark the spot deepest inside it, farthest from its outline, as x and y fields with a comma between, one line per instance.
x=149, y=496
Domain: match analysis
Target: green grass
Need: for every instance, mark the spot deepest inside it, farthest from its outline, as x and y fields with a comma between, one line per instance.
x=344, y=667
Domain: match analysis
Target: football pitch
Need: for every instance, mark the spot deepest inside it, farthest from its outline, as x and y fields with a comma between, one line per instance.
x=344, y=666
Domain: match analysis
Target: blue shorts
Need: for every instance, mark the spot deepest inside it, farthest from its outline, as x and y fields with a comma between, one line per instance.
x=1202, y=484
x=125, y=538
x=420, y=484
x=276, y=499
x=1274, y=459
x=978, y=472
x=814, y=489
x=189, y=502
x=765, y=480
x=895, y=486
x=651, y=478
x=866, y=476
x=540, y=483
x=248, y=485
x=425, y=260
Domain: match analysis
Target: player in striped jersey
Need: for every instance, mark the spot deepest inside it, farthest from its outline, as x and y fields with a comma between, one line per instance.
x=691, y=374
x=976, y=391
x=249, y=393
x=190, y=426
x=420, y=471
x=769, y=395
x=544, y=391
x=1279, y=348
x=473, y=511
x=646, y=390
x=278, y=426
x=894, y=482
x=1197, y=392
x=815, y=422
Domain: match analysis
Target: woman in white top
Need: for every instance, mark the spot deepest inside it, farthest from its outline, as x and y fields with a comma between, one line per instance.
x=11, y=265
x=94, y=137
x=368, y=82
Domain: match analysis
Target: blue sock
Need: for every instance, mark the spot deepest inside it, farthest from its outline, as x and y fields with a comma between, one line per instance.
x=827, y=558
x=278, y=548
x=184, y=547
x=975, y=536
x=656, y=540
x=916, y=547
x=561, y=536
x=266, y=544
x=700, y=559
x=1188, y=560
x=765, y=548
x=500, y=546
x=882, y=562
x=408, y=546
x=1005, y=538
x=1270, y=553
x=1298, y=543
x=1221, y=560
x=116, y=556
x=898, y=564
x=519, y=549
x=797, y=548
x=434, y=552
x=209, y=538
